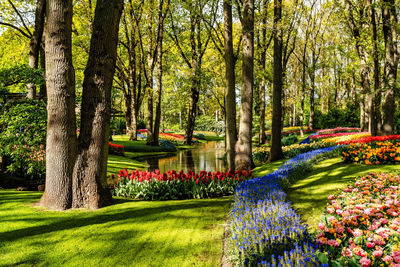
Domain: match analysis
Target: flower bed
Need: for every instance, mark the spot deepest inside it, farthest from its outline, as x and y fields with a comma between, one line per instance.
x=177, y=185
x=115, y=149
x=375, y=153
x=362, y=224
x=324, y=136
x=344, y=138
x=338, y=130
x=265, y=228
x=371, y=139
x=262, y=153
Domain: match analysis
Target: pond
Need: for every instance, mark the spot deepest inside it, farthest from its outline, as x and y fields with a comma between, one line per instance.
x=206, y=157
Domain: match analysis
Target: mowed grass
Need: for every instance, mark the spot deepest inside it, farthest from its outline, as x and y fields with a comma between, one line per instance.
x=128, y=233
x=268, y=168
x=309, y=195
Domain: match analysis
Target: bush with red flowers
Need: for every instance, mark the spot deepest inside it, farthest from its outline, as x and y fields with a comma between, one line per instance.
x=362, y=224
x=115, y=149
x=177, y=185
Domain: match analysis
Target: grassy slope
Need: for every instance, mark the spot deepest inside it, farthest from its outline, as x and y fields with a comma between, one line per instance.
x=309, y=195
x=129, y=233
x=268, y=167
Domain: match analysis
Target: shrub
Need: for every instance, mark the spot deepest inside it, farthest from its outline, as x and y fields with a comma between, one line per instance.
x=362, y=223
x=349, y=117
x=289, y=140
x=173, y=185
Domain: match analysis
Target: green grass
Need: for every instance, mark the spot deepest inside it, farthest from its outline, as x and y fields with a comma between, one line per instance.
x=117, y=163
x=309, y=195
x=268, y=168
x=137, y=146
x=128, y=233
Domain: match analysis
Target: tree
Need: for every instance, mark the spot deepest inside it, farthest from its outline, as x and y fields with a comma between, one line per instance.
x=244, y=158
x=36, y=40
x=89, y=180
x=230, y=95
x=389, y=28
x=75, y=172
x=61, y=128
x=276, y=134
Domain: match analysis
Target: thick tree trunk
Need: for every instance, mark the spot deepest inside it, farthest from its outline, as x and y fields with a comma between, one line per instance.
x=34, y=46
x=276, y=145
x=389, y=25
x=244, y=158
x=61, y=126
x=89, y=183
x=311, y=122
x=230, y=94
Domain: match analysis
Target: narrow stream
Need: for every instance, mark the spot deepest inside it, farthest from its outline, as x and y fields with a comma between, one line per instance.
x=206, y=157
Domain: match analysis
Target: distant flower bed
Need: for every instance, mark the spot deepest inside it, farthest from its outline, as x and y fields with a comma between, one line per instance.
x=330, y=135
x=338, y=130
x=362, y=223
x=261, y=154
x=266, y=231
x=373, y=153
x=177, y=185
x=116, y=149
x=344, y=138
x=371, y=139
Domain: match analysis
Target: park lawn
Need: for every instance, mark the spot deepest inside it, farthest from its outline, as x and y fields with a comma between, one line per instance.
x=268, y=168
x=116, y=163
x=309, y=195
x=138, y=146
x=128, y=233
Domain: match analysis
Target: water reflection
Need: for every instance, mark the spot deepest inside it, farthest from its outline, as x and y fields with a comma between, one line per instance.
x=206, y=157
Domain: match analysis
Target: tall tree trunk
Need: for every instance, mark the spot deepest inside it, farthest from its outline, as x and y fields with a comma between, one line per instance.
x=262, y=137
x=375, y=106
x=389, y=26
x=196, y=72
x=276, y=134
x=311, y=122
x=160, y=36
x=34, y=45
x=61, y=126
x=230, y=94
x=89, y=182
x=244, y=158
x=149, y=85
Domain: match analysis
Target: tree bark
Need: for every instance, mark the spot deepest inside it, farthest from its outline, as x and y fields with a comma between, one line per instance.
x=61, y=127
x=243, y=158
x=262, y=137
x=389, y=25
x=375, y=106
x=276, y=134
x=230, y=94
x=196, y=72
x=89, y=182
x=34, y=45
x=149, y=85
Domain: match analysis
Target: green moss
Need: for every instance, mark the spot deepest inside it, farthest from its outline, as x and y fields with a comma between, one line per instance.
x=309, y=195
x=128, y=233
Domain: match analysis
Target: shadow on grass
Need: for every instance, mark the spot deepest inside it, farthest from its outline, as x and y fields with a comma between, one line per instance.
x=117, y=213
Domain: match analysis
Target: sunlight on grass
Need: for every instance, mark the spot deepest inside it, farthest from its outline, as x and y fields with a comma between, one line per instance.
x=117, y=163
x=309, y=195
x=268, y=168
x=128, y=233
